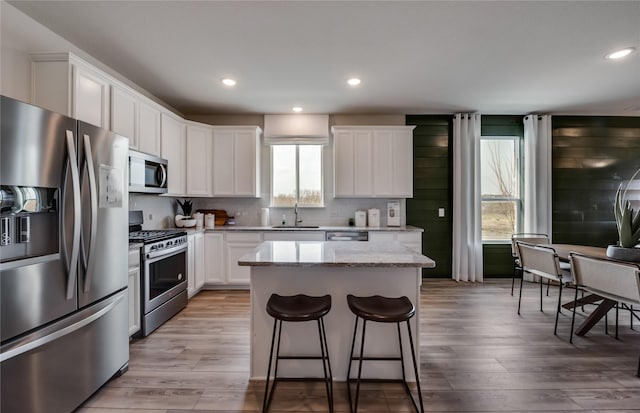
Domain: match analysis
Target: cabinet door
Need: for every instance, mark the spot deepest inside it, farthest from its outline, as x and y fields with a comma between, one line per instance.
x=198, y=265
x=213, y=258
x=236, y=246
x=379, y=236
x=149, y=129
x=383, y=163
x=403, y=164
x=246, y=163
x=198, y=161
x=343, y=159
x=191, y=279
x=134, y=291
x=235, y=273
x=134, y=300
x=362, y=163
x=223, y=162
x=173, y=149
x=124, y=115
x=90, y=97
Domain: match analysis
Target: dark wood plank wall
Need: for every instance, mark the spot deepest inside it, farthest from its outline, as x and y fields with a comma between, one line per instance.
x=591, y=155
x=432, y=179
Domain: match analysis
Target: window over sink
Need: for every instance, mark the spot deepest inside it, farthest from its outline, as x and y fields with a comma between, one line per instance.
x=296, y=176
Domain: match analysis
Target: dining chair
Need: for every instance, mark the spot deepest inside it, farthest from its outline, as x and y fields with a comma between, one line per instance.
x=530, y=237
x=614, y=280
x=542, y=261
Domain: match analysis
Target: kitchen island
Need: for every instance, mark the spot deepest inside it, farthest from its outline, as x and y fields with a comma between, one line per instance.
x=336, y=268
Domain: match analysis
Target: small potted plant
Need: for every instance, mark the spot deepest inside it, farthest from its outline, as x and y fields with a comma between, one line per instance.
x=628, y=223
x=185, y=220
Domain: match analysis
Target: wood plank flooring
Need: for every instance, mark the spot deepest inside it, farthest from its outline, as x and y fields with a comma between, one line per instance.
x=477, y=355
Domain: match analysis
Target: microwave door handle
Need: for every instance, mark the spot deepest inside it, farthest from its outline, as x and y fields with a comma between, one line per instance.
x=163, y=173
x=91, y=174
x=72, y=262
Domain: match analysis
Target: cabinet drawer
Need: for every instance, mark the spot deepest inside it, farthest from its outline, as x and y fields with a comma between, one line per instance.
x=244, y=237
x=134, y=257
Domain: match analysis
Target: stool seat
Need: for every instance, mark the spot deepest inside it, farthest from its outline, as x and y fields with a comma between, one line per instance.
x=381, y=309
x=299, y=307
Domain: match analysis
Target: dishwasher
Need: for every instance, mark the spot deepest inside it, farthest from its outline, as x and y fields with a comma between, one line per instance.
x=347, y=236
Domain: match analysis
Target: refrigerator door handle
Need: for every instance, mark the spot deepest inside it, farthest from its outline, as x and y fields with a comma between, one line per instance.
x=24, y=346
x=72, y=262
x=93, y=196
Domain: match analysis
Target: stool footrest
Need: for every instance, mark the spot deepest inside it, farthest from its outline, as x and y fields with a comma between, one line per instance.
x=355, y=379
x=302, y=358
x=377, y=358
x=301, y=379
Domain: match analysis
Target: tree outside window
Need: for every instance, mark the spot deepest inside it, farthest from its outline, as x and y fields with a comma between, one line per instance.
x=500, y=187
x=296, y=175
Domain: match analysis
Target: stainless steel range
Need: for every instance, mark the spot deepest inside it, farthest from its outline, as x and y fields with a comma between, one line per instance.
x=164, y=272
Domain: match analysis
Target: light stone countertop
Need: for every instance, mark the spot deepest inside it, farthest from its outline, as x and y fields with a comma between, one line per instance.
x=135, y=245
x=334, y=254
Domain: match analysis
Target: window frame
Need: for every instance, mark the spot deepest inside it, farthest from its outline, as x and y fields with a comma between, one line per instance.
x=518, y=200
x=297, y=146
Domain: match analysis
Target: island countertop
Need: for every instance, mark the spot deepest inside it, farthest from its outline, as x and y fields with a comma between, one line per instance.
x=334, y=254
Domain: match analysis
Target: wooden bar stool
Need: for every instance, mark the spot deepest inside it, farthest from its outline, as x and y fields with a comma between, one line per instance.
x=298, y=308
x=382, y=310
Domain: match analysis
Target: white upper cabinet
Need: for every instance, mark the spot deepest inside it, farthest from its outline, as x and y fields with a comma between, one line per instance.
x=63, y=83
x=236, y=161
x=90, y=100
x=199, y=154
x=373, y=161
x=148, y=128
x=124, y=115
x=174, y=150
x=133, y=116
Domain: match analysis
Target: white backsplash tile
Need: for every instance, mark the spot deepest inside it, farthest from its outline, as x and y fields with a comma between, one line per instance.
x=159, y=211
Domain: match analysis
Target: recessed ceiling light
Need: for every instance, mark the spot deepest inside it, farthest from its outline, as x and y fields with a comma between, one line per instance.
x=228, y=82
x=619, y=54
x=354, y=81
x=296, y=109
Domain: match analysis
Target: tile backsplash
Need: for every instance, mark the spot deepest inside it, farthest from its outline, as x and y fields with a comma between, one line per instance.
x=159, y=211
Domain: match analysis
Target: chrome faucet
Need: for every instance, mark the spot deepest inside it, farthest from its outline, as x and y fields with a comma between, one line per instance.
x=296, y=221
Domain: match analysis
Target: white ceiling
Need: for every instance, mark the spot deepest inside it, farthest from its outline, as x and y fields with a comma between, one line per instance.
x=414, y=57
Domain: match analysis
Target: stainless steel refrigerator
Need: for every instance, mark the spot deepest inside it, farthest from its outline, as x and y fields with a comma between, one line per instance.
x=63, y=259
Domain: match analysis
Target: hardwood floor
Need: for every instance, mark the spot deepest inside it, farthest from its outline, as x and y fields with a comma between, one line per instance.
x=477, y=355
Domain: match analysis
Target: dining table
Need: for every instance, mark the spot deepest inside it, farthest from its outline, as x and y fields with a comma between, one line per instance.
x=563, y=251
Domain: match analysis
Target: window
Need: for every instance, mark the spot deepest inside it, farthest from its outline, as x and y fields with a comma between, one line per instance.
x=500, y=187
x=296, y=175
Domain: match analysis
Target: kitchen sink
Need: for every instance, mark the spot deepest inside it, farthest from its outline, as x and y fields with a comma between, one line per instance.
x=295, y=226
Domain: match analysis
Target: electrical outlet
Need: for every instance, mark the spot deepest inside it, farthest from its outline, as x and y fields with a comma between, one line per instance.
x=441, y=212
x=150, y=217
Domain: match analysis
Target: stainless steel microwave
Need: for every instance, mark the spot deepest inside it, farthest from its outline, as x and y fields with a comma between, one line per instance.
x=147, y=173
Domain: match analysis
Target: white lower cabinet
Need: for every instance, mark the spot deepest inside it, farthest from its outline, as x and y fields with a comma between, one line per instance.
x=236, y=246
x=410, y=239
x=134, y=291
x=195, y=263
x=214, y=258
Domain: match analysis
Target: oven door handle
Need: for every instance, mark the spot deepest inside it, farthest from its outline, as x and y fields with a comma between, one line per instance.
x=165, y=253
